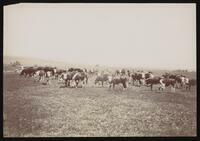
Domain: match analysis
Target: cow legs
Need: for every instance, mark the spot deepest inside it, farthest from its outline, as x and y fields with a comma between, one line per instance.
x=86, y=80
x=160, y=88
x=77, y=82
x=178, y=85
x=152, y=87
x=113, y=86
x=110, y=86
x=133, y=82
x=124, y=86
x=140, y=82
x=66, y=83
x=188, y=87
x=39, y=78
x=48, y=81
x=173, y=89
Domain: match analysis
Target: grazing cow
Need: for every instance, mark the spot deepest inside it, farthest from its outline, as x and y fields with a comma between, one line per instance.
x=48, y=76
x=102, y=78
x=63, y=77
x=189, y=83
x=80, y=76
x=164, y=82
x=76, y=77
x=153, y=81
x=140, y=77
x=37, y=72
x=51, y=69
x=41, y=75
x=28, y=72
x=169, y=82
x=178, y=78
x=129, y=76
x=122, y=79
x=68, y=78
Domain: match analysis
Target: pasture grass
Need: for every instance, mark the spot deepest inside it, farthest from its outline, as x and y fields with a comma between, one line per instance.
x=35, y=110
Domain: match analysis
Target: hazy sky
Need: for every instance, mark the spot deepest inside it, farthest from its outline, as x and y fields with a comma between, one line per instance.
x=134, y=35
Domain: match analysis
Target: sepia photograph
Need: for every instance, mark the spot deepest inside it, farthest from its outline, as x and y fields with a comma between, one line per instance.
x=99, y=70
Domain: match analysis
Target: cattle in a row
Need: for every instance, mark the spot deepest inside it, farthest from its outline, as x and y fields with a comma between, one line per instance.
x=73, y=76
x=148, y=79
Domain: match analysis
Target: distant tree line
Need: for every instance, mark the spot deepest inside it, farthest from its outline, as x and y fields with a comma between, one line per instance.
x=16, y=63
x=182, y=70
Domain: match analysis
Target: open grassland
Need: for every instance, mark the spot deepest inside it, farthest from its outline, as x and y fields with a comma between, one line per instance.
x=32, y=109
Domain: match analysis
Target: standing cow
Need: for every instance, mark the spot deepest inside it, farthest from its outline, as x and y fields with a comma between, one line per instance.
x=28, y=72
x=163, y=82
x=119, y=79
x=141, y=77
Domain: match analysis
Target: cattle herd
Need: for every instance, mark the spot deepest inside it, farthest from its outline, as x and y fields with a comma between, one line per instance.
x=77, y=77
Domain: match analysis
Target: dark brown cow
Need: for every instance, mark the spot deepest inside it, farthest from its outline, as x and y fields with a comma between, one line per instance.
x=156, y=80
x=28, y=71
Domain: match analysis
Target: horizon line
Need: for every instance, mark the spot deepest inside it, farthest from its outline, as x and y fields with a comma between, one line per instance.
x=99, y=64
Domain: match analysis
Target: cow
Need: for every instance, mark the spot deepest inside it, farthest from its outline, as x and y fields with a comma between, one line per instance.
x=48, y=76
x=50, y=69
x=75, y=77
x=102, y=78
x=178, y=78
x=164, y=82
x=118, y=79
x=80, y=76
x=43, y=72
x=41, y=75
x=36, y=73
x=140, y=77
x=189, y=83
x=62, y=77
x=28, y=72
x=67, y=77
x=59, y=73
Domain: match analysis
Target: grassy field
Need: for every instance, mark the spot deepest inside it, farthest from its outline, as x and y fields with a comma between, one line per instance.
x=32, y=110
